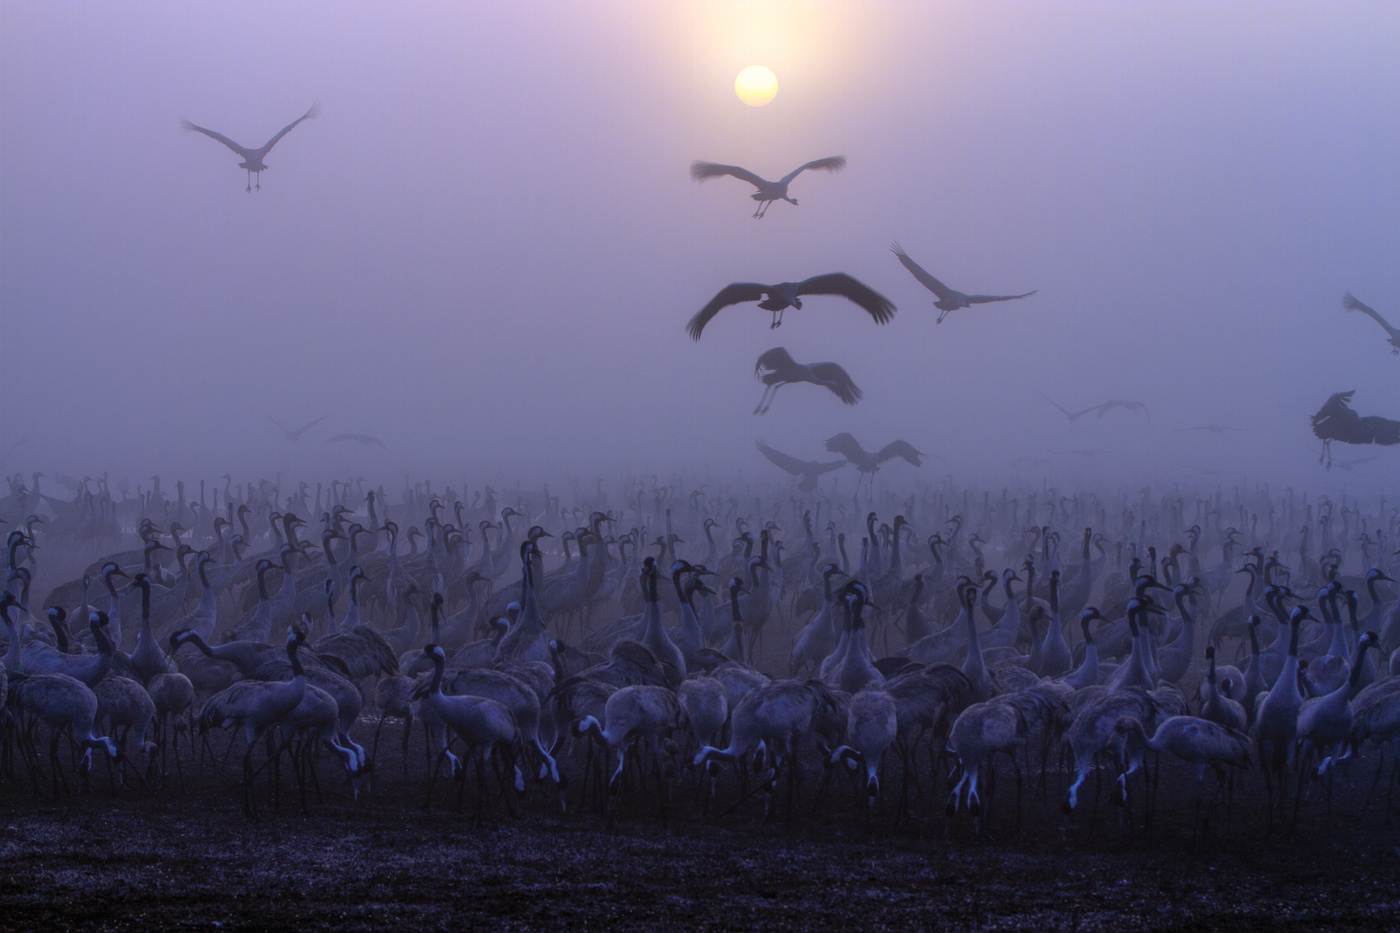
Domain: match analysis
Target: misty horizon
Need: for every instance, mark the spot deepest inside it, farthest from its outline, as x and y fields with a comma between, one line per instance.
x=485, y=248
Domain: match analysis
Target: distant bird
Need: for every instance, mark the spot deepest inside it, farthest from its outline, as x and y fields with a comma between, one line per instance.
x=1214, y=428
x=807, y=471
x=295, y=436
x=1335, y=421
x=949, y=299
x=768, y=191
x=1101, y=409
x=1351, y=304
x=776, y=368
x=252, y=158
x=789, y=295
x=366, y=439
x=868, y=463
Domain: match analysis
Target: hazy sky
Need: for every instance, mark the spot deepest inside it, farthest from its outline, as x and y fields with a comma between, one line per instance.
x=485, y=248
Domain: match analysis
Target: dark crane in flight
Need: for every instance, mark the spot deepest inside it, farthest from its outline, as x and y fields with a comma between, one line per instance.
x=784, y=295
x=768, y=191
x=252, y=158
x=777, y=368
x=1335, y=421
x=949, y=299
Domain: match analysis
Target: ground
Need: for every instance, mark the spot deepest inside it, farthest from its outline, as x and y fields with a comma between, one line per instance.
x=163, y=858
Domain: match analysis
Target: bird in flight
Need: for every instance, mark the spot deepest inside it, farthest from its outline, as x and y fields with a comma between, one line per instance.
x=1335, y=421
x=949, y=299
x=768, y=191
x=848, y=447
x=777, y=298
x=366, y=439
x=777, y=368
x=806, y=471
x=295, y=436
x=1212, y=428
x=1351, y=304
x=252, y=158
x=1101, y=409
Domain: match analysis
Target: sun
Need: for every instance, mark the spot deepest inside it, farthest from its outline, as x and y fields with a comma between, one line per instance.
x=756, y=85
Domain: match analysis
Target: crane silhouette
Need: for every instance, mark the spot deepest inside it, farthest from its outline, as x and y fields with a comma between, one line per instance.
x=366, y=439
x=869, y=463
x=252, y=158
x=1350, y=302
x=784, y=295
x=295, y=436
x=806, y=471
x=949, y=299
x=1104, y=408
x=777, y=368
x=768, y=191
x=1335, y=421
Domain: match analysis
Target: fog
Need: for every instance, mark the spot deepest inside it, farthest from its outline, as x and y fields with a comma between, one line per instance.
x=485, y=248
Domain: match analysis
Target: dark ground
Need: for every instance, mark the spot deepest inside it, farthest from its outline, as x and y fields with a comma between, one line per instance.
x=166, y=859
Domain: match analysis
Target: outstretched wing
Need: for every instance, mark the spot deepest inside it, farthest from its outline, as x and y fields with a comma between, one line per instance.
x=315, y=109
x=1064, y=411
x=847, y=446
x=837, y=380
x=839, y=283
x=902, y=449
x=783, y=461
x=830, y=164
x=278, y=423
x=1377, y=430
x=192, y=128
x=703, y=170
x=308, y=426
x=916, y=270
x=984, y=299
x=773, y=360
x=729, y=295
x=1350, y=302
x=366, y=439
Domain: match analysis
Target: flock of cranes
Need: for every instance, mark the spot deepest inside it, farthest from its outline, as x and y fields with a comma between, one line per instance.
x=635, y=647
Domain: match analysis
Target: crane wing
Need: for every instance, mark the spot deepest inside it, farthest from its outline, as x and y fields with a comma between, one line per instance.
x=773, y=360
x=1378, y=430
x=847, y=446
x=278, y=423
x=830, y=164
x=1350, y=302
x=839, y=283
x=308, y=426
x=733, y=294
x=315, y=109
x=838, y=381
x=902, y=449
x=783, y=461
x=192, y=128
x=366, y=439
x=703, y=170
x=984, y=299
x=916, y=270
x=1071, y=415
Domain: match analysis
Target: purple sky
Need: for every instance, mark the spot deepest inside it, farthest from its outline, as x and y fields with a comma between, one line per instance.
x=485, y=248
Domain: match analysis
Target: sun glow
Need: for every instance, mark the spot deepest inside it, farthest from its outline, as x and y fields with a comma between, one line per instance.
x=756, y=85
